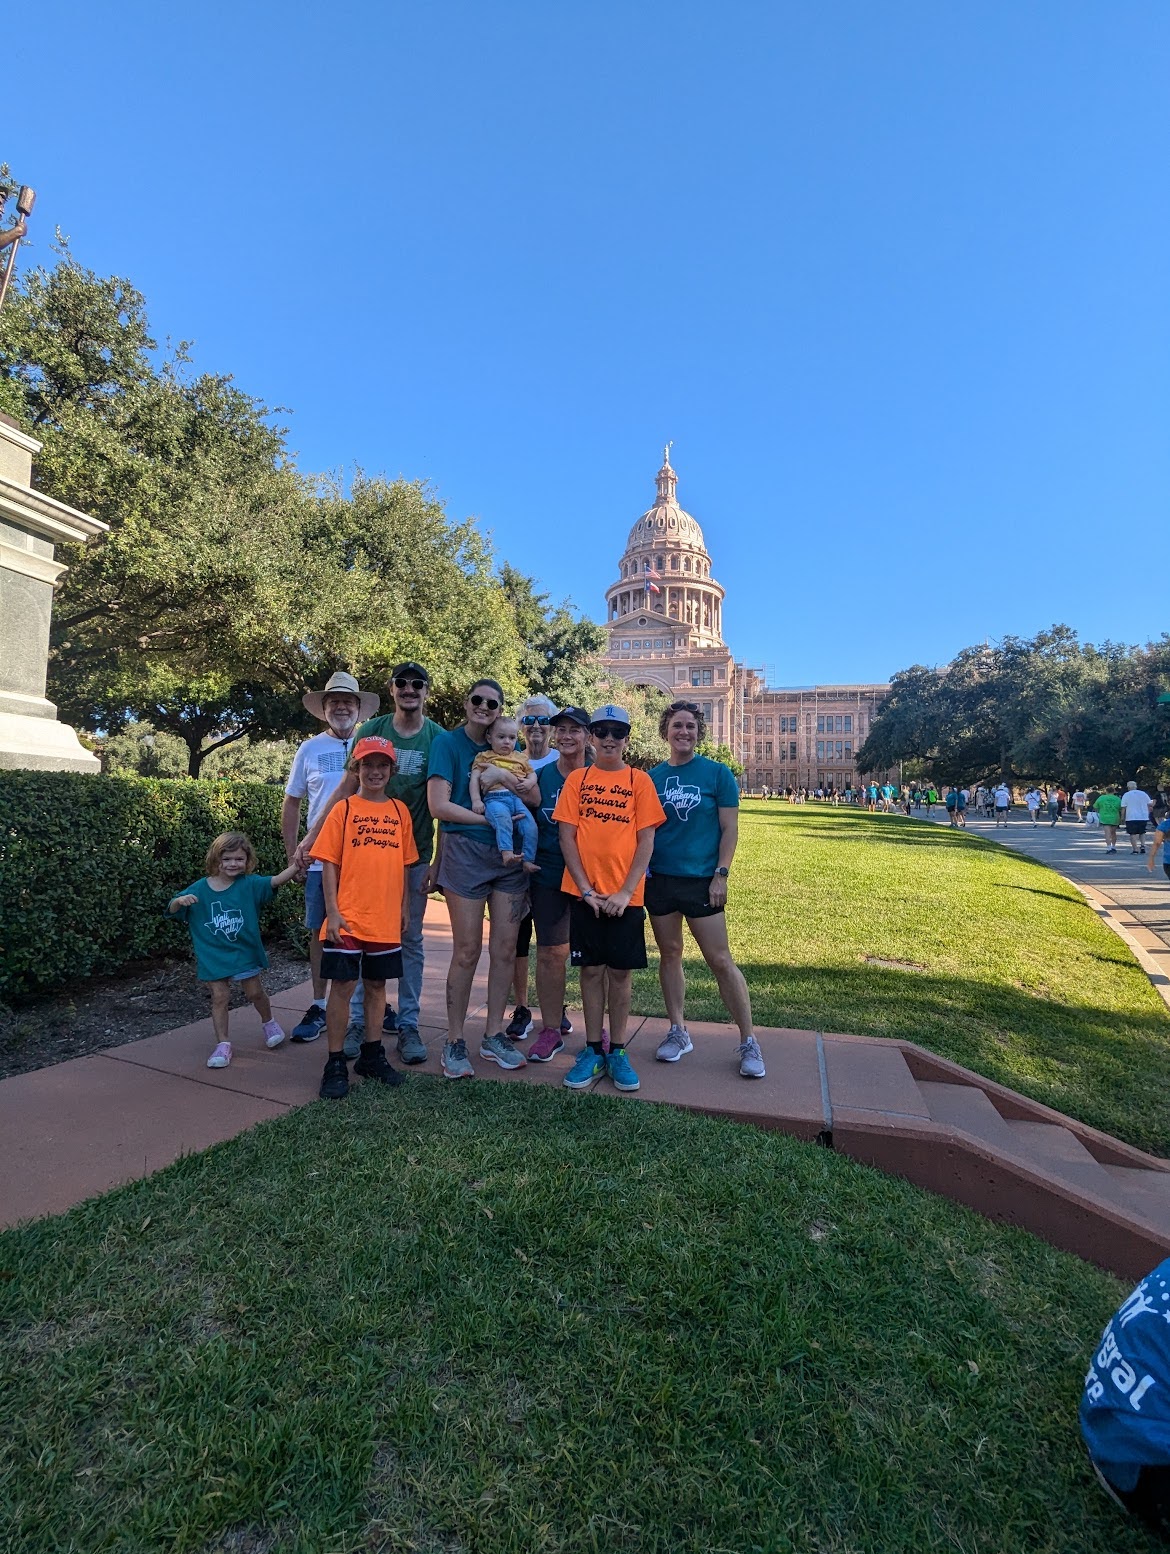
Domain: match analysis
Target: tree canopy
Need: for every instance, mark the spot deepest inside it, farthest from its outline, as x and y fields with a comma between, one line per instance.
x=229, y=581
x=1038, y=709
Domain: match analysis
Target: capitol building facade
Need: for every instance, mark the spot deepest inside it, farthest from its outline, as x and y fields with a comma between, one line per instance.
x=664, y=622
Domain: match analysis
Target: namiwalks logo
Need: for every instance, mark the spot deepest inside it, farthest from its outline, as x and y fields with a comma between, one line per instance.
x=681, y=796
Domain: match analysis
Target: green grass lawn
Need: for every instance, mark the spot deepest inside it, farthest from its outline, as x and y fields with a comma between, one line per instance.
x=1019, y=978
x=488, y=1318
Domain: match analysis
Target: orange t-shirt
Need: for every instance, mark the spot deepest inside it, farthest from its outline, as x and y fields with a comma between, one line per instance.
x=372, y=846
x=608, y=809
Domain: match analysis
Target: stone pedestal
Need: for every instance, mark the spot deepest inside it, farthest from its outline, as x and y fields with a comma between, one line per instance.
x=30, y=525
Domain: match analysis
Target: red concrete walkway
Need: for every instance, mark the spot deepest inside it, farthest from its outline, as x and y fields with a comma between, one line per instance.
x=84, y=1126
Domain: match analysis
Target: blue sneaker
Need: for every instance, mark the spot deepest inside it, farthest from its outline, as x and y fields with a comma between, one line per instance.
x=617, y=1066
x=589, y=1066
x=311, y=1026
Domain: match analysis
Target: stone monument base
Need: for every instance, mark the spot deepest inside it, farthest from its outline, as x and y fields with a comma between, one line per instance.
x=39, y=743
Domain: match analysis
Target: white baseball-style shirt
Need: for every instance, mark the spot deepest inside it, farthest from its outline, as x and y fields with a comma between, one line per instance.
x=1135, y=804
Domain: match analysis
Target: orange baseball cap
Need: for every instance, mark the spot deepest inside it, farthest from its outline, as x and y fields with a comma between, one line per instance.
x=373, y=744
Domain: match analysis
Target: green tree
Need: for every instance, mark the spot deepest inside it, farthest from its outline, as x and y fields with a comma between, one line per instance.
x=559, y=653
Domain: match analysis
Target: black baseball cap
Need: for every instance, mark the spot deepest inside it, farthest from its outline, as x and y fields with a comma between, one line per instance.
x=410, y=668
x=571, y=715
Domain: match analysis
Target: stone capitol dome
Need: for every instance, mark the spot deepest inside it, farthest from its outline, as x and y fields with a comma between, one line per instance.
x=665, y=611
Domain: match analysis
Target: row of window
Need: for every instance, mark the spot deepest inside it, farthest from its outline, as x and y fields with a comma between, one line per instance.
x=701, y=568
x=828, y=751
x=764, y=750
x=830, y=724
x=645, y=642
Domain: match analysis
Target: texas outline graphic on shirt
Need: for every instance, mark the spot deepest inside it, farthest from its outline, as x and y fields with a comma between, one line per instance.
x=681, y=796
x=228, y=921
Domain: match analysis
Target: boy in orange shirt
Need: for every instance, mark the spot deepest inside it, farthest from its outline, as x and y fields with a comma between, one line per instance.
x=365, y=847
x=607, y=814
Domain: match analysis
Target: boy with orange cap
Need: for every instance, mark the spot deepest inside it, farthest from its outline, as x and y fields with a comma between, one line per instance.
x=365, y=846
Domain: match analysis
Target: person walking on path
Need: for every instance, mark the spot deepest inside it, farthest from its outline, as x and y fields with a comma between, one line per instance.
x=1108, y=808
x=535, y=717
x=222, y=912
x=1135, y=806
x=1161, y=844
x=608, y=814
x=689, y=869
x=366, y=847
x=550, y=903
x=318, y=768
x=472, y=874
x=1079, y=801
x=412, y=734
x=1033, y=800
x=1054, y=805
x=1003, y=802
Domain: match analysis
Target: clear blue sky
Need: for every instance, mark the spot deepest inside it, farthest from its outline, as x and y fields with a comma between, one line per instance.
x=895, y=278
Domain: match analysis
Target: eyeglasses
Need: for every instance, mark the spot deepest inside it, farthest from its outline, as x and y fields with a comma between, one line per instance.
x=489, y=702
x=402, y=683
x=609, y=730
x=530, y=718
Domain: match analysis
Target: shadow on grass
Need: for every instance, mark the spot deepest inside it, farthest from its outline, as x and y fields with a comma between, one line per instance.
x=1105, y=1068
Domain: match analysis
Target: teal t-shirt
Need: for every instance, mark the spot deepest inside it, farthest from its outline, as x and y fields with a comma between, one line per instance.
x=692, y=796
x=451, y=757
x=225, y=926
x=409, y=782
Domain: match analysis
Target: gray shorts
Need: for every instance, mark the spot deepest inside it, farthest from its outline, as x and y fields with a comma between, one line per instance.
x=474, y=869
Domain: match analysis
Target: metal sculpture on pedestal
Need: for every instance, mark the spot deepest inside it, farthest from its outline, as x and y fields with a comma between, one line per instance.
x=31, y=523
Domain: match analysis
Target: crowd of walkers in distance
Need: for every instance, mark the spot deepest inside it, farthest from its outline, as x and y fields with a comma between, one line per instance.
x=537, y=817
x=1104, y=808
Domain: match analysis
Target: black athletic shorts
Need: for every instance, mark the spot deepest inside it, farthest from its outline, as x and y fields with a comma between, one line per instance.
x=598, y=940
x=341, y=965
x=1135, y=827
x=685, y=893
x=550, y=913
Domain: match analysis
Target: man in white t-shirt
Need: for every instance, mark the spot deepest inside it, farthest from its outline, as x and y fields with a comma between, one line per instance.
x=1033, y=800
x=1080, y=800
x=317, y=768
x=1135, y=808
x=1003, y=800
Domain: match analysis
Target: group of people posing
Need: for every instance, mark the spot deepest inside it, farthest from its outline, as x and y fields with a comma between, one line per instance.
x=538, y=817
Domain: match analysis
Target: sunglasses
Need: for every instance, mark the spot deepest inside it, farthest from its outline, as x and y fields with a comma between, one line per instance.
x=403, y=683
x=609, y=730
x=684, y=706
x=489, y=702
x=530, y=718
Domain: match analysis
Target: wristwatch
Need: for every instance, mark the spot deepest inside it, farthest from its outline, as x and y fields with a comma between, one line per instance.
x=722, y=872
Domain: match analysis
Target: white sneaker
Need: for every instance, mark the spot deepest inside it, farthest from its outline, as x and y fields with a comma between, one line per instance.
x=273, y=1033
x=222, y=1055
x=674, y=1045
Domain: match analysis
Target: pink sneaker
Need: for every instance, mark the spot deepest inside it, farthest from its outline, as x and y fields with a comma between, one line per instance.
x=546, y=1045
x=222, y=1055
x=273, y=1033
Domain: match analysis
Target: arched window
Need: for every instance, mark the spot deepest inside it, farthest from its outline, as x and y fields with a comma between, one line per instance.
x=674, y=563
x=686, y=563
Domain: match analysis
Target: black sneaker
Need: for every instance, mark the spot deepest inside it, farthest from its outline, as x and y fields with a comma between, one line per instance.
x=520, y=1023
x=335, y=1079
x=566, y=1023
x=372, y=1064
x=389, y=1021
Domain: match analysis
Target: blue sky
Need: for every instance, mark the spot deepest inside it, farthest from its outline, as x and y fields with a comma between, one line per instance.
x=892, y=277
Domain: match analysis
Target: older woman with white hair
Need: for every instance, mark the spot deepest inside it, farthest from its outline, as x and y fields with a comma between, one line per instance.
x=533, y=717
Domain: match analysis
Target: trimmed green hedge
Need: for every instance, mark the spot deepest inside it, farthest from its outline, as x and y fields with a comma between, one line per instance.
x=87, y=865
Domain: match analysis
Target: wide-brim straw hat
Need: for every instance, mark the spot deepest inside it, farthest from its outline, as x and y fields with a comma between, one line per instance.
x=368, y=701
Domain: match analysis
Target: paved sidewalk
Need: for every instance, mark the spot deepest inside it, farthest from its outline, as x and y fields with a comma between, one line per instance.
x=1135, y=902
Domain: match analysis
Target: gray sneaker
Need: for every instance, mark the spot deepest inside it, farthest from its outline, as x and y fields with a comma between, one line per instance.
x=674, y=1045
x=751, y=1059
x=456, y=1063
x=500, y=1050
x=354, y=1036
x=410, y=1045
